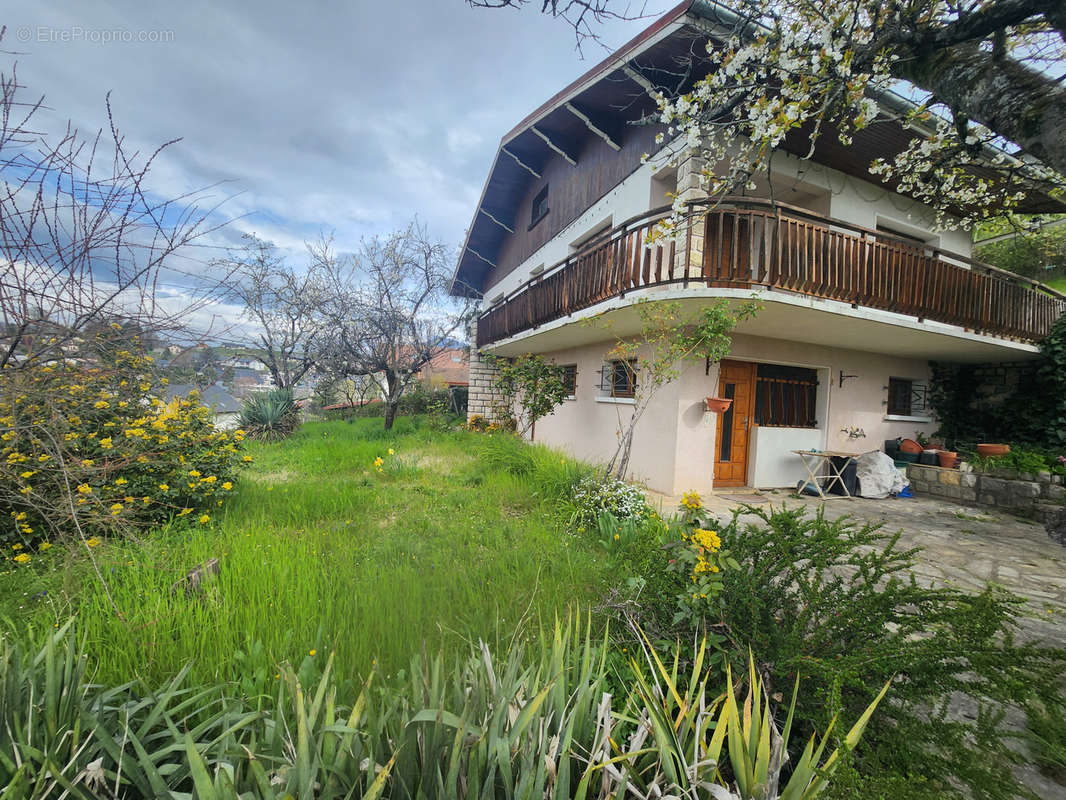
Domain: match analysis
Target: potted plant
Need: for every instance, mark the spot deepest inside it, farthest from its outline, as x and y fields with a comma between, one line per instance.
x=948, y=459
x=718, y=405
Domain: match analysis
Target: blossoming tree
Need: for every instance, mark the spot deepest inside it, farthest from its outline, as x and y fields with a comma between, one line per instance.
x=985, y=75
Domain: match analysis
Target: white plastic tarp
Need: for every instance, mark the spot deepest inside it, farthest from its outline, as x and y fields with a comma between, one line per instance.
x=878, y=476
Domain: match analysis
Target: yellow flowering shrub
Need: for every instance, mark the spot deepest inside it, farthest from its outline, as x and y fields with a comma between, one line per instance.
x=697, y=553
x=90, y=441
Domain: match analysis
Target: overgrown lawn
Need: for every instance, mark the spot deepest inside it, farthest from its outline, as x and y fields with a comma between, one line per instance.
x=321, y=551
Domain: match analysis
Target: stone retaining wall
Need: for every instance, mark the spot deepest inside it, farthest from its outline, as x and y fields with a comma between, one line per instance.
x=1025, y=494
x=482, y=398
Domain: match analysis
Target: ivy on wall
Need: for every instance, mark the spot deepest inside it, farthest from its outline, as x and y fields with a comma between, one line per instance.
x=1016, y=403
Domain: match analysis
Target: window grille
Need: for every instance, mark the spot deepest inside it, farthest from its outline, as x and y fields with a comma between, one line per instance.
x=786, y=397
x=619, y=378
x=907, y=398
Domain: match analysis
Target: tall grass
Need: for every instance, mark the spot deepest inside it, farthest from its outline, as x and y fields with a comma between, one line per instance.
x=321, y=552
x=523, y=722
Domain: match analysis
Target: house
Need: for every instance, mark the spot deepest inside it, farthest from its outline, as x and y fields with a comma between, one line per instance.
x=226, y=408
x=449, y=367
x=859, y=292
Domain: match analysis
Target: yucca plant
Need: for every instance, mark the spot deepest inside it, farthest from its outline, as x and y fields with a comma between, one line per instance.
x=758, y=751
x=271, y=415
x=537, y=722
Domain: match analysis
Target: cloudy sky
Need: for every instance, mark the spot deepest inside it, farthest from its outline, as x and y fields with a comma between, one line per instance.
x=348, y=117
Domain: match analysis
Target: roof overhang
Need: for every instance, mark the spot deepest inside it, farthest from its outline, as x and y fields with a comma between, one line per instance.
x=590, y=106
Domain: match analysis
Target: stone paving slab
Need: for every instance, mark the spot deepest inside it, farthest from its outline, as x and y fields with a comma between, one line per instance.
x=961, y=546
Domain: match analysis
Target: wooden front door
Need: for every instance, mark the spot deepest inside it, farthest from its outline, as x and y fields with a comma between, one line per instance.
x=737, y=382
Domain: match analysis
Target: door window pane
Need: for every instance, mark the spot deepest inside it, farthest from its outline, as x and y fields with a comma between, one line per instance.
x=725, y=447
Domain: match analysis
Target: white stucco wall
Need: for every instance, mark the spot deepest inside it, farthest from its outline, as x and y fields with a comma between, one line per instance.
x=674, y=445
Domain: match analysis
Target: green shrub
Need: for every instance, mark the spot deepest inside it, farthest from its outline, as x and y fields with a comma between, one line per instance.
x=89, y=449
x=835, y=601
x=270, y=416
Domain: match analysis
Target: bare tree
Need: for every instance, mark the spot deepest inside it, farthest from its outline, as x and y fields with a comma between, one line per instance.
x=82, y=237
x=283, y=304
x=389, y=311
x=584, y=16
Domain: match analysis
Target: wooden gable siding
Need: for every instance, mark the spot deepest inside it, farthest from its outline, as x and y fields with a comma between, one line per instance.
x=571, y=191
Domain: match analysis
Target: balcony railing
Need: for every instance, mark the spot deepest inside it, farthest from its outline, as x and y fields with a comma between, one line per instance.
x=751, y=244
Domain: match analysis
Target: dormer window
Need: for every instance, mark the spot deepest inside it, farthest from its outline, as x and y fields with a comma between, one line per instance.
x=540, y=207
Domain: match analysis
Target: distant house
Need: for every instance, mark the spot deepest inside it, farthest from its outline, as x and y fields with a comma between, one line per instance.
x=449, y=367
x=859, y=291
x=226, y=408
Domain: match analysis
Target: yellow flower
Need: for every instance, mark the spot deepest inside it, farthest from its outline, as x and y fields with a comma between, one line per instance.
x=116, y=508
x=16, y=546
x=106, y=443
x=121, y=481
x=164, y=486
x=28, y=474
x=84, y=488
x=227, y=485
x=392, y=452
x=706, y=539
x=87, y=462
x=44, y=546
x=194, y=473
x=247, y=459
x=378, y=461
x=617, y=537
x=93, y=541
x=184, y=512
x=208, y=479
x=22, y=558
x=691, y=500
x=101, y=404
x=205, y=519
x=19, y=516
x=312, y=652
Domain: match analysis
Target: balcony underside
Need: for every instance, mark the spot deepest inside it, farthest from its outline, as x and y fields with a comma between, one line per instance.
x=785, y=315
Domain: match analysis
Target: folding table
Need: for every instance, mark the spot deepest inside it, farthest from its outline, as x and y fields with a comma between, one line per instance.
x=820, y=467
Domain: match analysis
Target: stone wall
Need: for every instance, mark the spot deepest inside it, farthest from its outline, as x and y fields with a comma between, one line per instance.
x=482, y=399
x=998, y=383
x=1039, y=495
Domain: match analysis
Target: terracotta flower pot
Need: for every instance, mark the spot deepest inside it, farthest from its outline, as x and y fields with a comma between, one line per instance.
x=718, y=404
x=987, y=450
x=948, y=459
x=909, y=446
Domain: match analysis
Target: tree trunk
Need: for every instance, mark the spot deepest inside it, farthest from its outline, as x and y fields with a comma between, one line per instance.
x=1014, y=101
x=392, y=397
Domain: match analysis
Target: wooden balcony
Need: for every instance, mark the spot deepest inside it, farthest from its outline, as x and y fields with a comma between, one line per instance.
x=750, y=244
